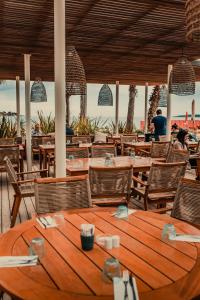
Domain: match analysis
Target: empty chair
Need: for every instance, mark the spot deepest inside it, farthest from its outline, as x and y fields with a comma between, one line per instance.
x=77, y=152
x=48, y=140
x=101, y=150
x=81, y=138
x=13, y=153
x=7, y=141
x=187, y=201
x=54, y=194
x=110, y=186
x=177, y=155
x=22, y=188
x=158, y=150
x=161, y=184
x=127, y=139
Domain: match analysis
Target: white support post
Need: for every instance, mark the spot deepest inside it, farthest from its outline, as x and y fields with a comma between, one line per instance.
x=18, y=105
x=146, y=108
x=60, y=104
x=28, y=110
x=117, y=109
x=169, y=105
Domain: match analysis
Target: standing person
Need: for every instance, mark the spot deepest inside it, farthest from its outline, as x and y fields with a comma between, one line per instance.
x=159, y=125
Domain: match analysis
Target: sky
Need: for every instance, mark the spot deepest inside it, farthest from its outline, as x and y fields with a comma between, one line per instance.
x=180, y=104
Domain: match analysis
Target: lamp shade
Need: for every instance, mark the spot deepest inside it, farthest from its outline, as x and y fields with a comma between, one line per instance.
x=182, y=78
x=192, y=20
x=38, y=91
x=105, y=96
x=163, y=96
x=75, y=73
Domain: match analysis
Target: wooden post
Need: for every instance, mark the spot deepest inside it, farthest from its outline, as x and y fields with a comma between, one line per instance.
x=169, y=105
x=28, y=111
x=146, y=108
x=18, y=105
x=60, y=104
x=117, y=109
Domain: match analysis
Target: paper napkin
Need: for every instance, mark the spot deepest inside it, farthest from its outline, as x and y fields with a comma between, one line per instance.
x=119, y=289
x=18, y=261
x=46, y=222
x=185, y=238
x=123, y=215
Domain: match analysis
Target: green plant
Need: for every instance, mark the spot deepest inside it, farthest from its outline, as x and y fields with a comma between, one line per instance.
x=47, y=123
x=8, y=127
x=86, y=126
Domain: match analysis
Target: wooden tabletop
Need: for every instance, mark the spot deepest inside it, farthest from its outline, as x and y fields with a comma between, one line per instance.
x=163, y=270
x=139, y=144
x=81, y=165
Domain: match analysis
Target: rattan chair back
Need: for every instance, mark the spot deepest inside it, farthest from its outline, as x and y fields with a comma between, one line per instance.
x=48, y=140
x=128, y=138
x=12, y=175
x=187, y=201
x=160, y=149
x=12, y=152
x=77, y=152
x=7, y=141
x=55, y=194
x=36, y=141
x=81, y=138
x=102, y=150
x=175, y=155
x=165, y=176
x=110, y=181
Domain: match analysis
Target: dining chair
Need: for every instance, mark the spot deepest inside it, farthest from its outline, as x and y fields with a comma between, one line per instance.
x=22, y=188
x=186, y=204
x=175, y=155
x=81, y=138
x=7, y=141
x=127, y=139
x=13, y=153
x=161, y=184
x=110, y=185
x=81, y=152
x=101, y=150
x=158, y=150
x=55, y=194
x=48, y=140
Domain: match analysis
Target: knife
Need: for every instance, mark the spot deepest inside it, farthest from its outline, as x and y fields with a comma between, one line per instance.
x=42, y=221
x=132, y=286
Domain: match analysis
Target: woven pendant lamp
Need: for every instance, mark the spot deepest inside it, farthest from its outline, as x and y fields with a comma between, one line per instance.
x=38, y=91
x=182, y=78
x=105, y=96
x=75, y=73
x=193, y=20
x=163, y=96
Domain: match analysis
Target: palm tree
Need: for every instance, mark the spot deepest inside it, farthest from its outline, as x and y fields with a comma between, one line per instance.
x=131, y=108
x=67, y=110
x=154, y=101
x=83, y=106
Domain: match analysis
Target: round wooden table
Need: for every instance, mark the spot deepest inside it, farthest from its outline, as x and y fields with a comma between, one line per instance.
x=163, y=270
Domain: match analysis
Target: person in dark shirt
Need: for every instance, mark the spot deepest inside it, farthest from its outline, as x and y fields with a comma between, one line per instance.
x=159, y=124
x=69, y=131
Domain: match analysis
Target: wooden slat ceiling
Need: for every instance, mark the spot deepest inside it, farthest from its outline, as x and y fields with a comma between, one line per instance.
x=125, y=40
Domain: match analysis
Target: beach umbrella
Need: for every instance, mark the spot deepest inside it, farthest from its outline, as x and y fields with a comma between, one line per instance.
x=38, y=91
x=182, y=78
x=105, y=96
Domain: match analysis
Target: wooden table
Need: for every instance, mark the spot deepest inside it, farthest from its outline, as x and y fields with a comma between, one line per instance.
x=139, y=146
x=81, y=166
x=44, y=150
x=163, y=270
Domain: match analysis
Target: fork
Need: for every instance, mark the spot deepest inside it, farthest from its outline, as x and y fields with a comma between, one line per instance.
x=126, y=281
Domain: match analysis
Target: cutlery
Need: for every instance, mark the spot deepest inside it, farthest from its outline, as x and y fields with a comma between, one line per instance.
x=125, y=280
x=132, y=285
x=43, y=223
x=46, y=220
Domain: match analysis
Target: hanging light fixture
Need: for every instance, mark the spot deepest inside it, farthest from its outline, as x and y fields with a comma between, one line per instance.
x=192, y=20
x=182, y=78
x=163, y=96
x=38, y=91
x=105, y=96
x=75, y=73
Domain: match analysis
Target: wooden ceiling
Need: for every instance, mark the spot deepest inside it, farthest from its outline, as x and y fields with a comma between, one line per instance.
x=125, y=40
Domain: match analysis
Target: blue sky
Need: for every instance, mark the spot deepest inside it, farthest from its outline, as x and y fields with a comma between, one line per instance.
x=179, y=104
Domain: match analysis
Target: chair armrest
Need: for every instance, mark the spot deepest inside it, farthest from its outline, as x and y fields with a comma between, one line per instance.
x=161, y=210
x=143, y=151
x=23, y=181
x=138, y=180
x=32, y=172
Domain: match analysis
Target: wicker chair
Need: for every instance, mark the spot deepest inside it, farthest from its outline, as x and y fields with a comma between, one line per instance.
x=161, y=184
x=48, y=140
x=54, y=194
x=13, y=153
x=7, y=141
x=77, y=152
x=110, y=185
x=22, y=188
x=187, y=202
x=127, y=139
x=177, y=155
x=101, y=150
x=81, y=138
x=158, y=150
